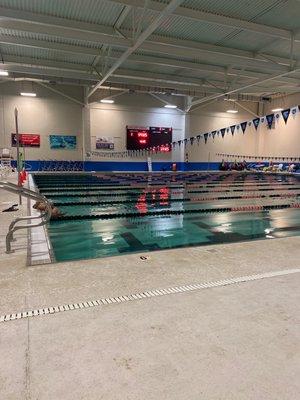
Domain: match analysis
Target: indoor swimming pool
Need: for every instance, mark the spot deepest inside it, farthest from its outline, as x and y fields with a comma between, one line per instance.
x=113, y=214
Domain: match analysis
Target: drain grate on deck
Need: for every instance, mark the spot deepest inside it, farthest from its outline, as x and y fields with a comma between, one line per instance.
x=142, y=295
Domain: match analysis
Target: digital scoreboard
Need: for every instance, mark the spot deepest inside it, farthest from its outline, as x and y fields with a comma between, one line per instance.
x=140, y=138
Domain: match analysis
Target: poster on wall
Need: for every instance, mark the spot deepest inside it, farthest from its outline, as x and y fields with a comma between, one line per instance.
x=62, y=142
x=105, y=143
x=26, y=140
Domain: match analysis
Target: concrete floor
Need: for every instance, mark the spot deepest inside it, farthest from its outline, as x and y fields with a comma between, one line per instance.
x=232, y=342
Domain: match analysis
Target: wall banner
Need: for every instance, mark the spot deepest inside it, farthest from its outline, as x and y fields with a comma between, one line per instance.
x=286, y=114
x=105, y=143
x=26, y=140
x=256, y=122
x=270, y=119
x=243, y=126
x=62, y=142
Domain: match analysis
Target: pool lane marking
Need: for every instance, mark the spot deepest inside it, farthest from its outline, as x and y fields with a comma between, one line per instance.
x=167, y=212
x=143, y=295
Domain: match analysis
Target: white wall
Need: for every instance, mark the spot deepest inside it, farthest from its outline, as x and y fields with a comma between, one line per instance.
x=50, y=113
x=215, y=117
x=46, y=114
x=282, y=141
x=110, y=120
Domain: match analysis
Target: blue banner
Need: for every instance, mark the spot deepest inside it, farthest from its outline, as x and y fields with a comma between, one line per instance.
x=270, y=119
x=286, y=114
x=243, y=126
x=256, y=122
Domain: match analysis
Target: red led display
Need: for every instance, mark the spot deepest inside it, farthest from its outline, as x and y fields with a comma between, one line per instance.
x=139, y=138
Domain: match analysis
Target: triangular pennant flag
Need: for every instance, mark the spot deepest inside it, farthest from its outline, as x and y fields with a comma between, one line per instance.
x=198, y=138
x=232, y=128
x=192, y=140
x=256, y=122
x=179, y=142
x=286, y=114
x=185, y=141
x=243, y=126
x=223, y=132
x=205, y=137
x=270, y=119
x=213, y=134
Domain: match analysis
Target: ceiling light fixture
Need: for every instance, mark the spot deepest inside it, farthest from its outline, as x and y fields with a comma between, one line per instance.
x=170, y=106
x=3, y=73
x=107, y=101
x=232, y=111
x=277, y=109
x=28, y=94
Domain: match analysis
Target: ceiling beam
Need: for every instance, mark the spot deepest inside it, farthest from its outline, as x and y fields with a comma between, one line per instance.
x=195, y=15
x=214, y=18
x=163, y=101
x=83, y=72
x=96, y=36
x=193, y=49
x=99, y=34
x=244, y=87
x=195, y=66
x=44, y=44
x=60, y=93
x=139, y=41
x=50, y=21
x=145, y=59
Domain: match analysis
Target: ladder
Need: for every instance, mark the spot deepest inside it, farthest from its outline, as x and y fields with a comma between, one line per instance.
x=43, y=218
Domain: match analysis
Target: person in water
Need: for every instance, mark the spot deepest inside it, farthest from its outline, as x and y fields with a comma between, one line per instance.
x=41, y=206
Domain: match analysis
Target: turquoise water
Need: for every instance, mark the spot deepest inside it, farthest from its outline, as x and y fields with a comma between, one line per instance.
x=99, y=238
x=90, y=238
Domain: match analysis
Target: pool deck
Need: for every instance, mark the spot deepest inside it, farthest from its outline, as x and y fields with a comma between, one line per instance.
x=233, y=341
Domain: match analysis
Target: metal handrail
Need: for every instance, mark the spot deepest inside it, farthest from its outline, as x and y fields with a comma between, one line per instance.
x=44, y=216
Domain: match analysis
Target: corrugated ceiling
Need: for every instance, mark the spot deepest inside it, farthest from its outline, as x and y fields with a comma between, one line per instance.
x=94, y=11
x=284, y=14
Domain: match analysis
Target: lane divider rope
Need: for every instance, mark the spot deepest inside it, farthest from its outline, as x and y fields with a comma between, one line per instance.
x=171, y=200
x=250, y=208
x=143, y=295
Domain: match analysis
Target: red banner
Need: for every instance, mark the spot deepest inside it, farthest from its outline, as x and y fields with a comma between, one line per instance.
x=26, y=140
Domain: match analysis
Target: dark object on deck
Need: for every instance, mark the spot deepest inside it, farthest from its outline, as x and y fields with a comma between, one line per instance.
x=11, y=208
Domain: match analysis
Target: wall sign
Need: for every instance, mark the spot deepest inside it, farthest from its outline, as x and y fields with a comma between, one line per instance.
x=62, y=142
x=26, y=140
x=105, y=143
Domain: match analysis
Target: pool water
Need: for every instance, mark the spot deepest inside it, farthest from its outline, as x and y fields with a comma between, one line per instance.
x=188, y=203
